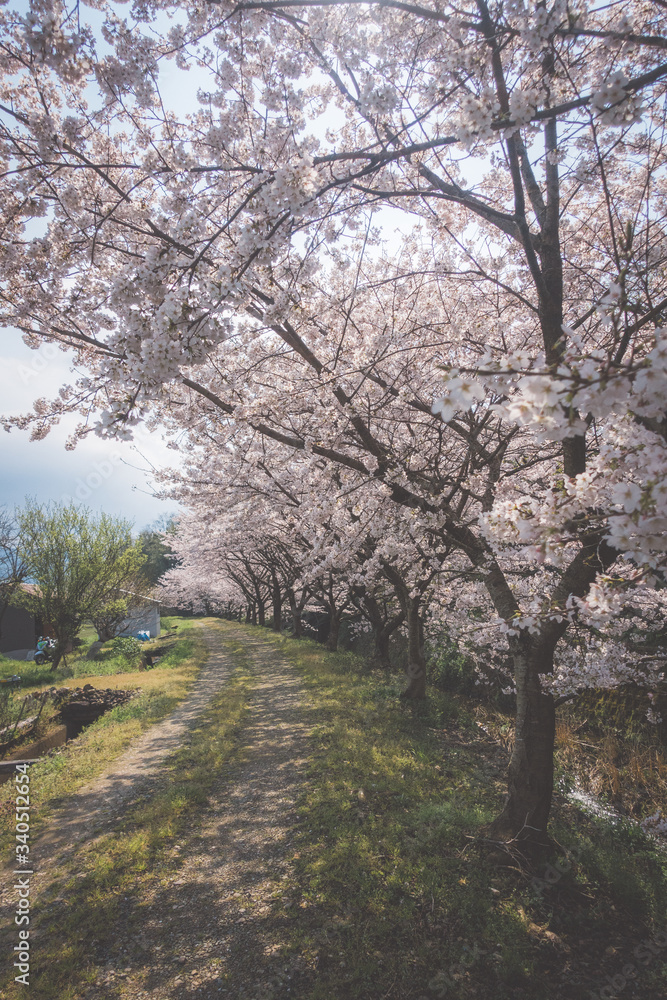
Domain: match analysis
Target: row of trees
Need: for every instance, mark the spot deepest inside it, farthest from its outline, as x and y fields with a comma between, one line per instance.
x=282, y=553
x=490, y=378
x=67, y=567
x=259, y=548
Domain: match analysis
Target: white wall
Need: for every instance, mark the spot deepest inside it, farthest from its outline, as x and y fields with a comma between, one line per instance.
x=142, y=618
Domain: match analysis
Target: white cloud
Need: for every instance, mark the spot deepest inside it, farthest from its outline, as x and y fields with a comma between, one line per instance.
x=103, y=475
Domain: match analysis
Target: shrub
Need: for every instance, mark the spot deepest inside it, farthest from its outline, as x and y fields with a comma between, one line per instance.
x=449, y=668
x=127, y=646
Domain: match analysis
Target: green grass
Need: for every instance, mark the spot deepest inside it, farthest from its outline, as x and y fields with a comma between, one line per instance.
x=88, y=633
x=107, y=662
x=397, y=900
x=83, y=908
x=31, y=673
x=58, y=774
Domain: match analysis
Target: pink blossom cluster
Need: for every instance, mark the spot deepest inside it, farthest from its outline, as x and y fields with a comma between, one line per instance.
x=392, y=279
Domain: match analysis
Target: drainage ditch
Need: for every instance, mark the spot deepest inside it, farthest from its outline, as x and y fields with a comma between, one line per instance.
x=77, y=709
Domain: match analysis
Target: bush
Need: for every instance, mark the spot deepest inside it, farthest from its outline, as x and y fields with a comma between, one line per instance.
x=449, y=669
x=624, y=709
x=126, y=646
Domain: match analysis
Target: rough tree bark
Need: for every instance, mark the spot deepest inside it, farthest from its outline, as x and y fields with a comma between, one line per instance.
x=381, y=656
x=277, y=600
x=531, y=771
x=411, y=607
x=530, y=785
x=382, y=626
x=334, y=628
x=416, y=669
x=296, y=611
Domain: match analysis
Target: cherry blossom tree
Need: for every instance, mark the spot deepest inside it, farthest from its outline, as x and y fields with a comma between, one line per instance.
x=498, y=371
x=196, y=582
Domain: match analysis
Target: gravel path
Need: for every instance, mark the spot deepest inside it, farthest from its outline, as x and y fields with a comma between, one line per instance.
x=94, y=808
x=216, y=928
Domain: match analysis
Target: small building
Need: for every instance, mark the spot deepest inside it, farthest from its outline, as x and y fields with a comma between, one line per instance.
x=19, y=631
x=143, y=616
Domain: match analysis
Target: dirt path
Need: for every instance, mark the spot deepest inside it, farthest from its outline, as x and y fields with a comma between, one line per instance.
x=215, y=929
x=96, y=806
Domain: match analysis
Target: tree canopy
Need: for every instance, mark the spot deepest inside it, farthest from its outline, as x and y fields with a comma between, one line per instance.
x=158, y=555
x=76, y=563
x=494, y=370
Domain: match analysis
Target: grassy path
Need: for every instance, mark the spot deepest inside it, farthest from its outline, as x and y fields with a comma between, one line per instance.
x=164, y=877
x=218, y=927
x=116, y=835
x=308, y=836
x=96, y=807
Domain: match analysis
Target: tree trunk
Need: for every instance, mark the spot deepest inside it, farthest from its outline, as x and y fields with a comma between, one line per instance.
x=416, y=670
x=295, y=611
x=261, y=616
x=416, y=660
x=334, y=630
x=382, y=628
x=277, y=599
x=63, y=645
x=248, y=614
x=381, y=648
x=531, y=769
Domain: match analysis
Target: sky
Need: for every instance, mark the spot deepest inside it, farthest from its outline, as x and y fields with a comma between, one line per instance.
x=114, y=477
x=110, y=476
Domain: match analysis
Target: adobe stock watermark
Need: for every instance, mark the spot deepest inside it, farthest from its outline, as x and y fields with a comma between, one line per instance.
x=100, y=473
x=443, y=981
x=22, y=871
x=43, y=357
x=554, y=873
x=645, y=953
